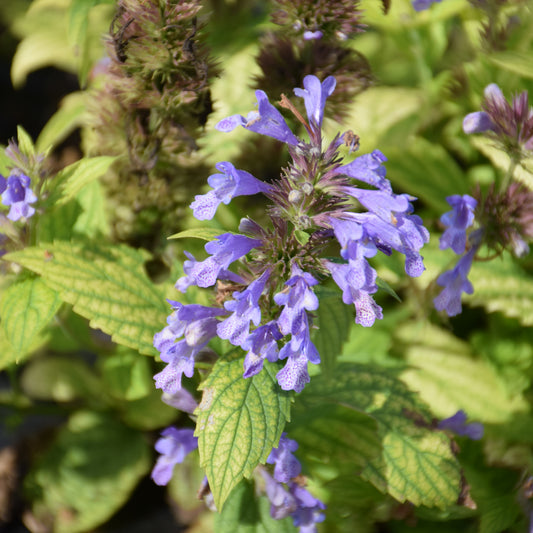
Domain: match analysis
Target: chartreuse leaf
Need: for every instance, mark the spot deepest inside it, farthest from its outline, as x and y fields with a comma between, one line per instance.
x=244, y=512
x=501, y=285
x=26, y=308
x=446, y=376
x=24, y=142
x=333, y=319
x=88, y=472
x=335, y=434
x=72, y=179
x=206, y=234
x=415, y=462
x=513, y=61
x=9, y=356
x=63, y=122
x=239, y=421
x=107, y=285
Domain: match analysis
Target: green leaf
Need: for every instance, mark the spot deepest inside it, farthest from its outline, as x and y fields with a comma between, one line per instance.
x=513, y=61
x=501, y=285
x=301, y=236
x=60, y=379
x=93, y=222
x=427, y=171
x=206, y=234
x=334, y=435
x=72, y=179
x=58, y=222
x=385, y=287
x=26, y=308
x=107, y=285
x=148, y=413
x=334, y=319
x=88, y=473
x=448, y=378
x=244, y=512
x=127, y=374
x=239, y=421
x=25, y=142
x=63, y=122
x=9, y=356
x=415, y=462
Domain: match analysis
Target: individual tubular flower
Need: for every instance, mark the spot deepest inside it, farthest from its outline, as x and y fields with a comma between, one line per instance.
x=457, y=424
x=174, y=445
x=308, y=511
x=315, y=94
x=510, y=125
x=286, y=466
x=267, y=121
x=457, y=221
x=261, y=344
x=455, y=282
x=17, y=194
x=228, y=185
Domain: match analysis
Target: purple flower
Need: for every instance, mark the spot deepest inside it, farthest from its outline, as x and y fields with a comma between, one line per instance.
x=197, y=325
x=357, y=285
x=282, y=502
x=298, y=296
x=16, y=193
x=174, y=446
x=268, y=121
x=308, y=509
x=457, y=424
x=230, y=183
x=286, y=465
x=315, y=95
x=369, y=169
x=421, y=5
x=182, y=400
x=190, y=268
x=477, y=122
x=458, y=220
x=226, y=249
x=455, y=282
x=261, y=344
x=312, y=35
x=245, y=308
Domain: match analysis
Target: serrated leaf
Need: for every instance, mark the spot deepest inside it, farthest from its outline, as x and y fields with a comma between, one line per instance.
x=513, y=61
x=63, y=122
x=501, y=285
x=26, y=308
x=9, y=356
x=88, y=473
x=107, y=285
x=93, y=222
x=446, y=376
x=244, y=512
x=334, y=435
x=334, y=319
x=72, y=179
x=239, y=422
x=415, y=463
x=25, y=142
x=385, y=287
x=206, y=234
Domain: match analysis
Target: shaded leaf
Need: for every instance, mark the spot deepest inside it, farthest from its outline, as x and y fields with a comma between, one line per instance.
x=88, y=473
x=206, y=234
x=107, y=285
x=244, y=512
x=239, y=421
x=416, y=462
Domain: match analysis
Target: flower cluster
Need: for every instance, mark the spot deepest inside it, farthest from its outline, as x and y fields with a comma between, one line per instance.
x=503, y=215
x=266, y=306
x=297, y=501
x=510, y=125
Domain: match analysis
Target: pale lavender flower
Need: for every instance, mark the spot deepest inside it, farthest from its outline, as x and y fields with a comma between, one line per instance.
x=286, y=466
x=228, y=185
x=174, y=445
x=245, y=309
x=457, y=221
x=268, y=121
x=308, y=511
x=261, y=344
x=312, y=35
x=369, y=169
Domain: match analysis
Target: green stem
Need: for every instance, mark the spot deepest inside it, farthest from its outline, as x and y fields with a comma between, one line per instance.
x=508, y=175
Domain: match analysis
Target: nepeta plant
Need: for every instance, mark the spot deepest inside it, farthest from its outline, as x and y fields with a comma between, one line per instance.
x=496, y=220
x=315, y=206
